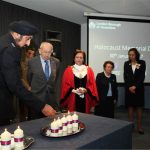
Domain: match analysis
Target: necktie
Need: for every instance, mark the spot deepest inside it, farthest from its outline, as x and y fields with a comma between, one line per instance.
x=46, y=69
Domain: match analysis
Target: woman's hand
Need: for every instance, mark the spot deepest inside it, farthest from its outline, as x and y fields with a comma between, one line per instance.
x=82, y=90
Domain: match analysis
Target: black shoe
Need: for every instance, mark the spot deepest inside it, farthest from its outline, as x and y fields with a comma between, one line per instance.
x=140, y=131
x=133, y=126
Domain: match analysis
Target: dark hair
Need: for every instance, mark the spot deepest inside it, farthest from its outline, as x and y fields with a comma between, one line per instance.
x=108, y=62
x=136, y=53
x=31, y=49
x=77, y=51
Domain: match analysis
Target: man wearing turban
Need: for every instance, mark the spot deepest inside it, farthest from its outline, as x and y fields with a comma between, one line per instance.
x=20, y=35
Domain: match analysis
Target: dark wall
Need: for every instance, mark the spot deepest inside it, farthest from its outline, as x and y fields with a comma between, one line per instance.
x=70, y=31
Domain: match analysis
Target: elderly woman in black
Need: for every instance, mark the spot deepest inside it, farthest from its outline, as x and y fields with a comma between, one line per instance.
x=107, y=91
x=134, y=75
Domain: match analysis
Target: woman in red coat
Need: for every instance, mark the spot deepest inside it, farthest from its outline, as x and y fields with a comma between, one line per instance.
x=78, y=90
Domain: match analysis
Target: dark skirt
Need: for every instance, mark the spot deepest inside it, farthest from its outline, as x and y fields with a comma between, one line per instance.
x=134, y=100
x=105, y=108
x=80, y=104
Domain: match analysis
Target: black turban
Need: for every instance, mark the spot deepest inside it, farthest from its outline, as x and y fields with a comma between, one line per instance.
x=23, y=27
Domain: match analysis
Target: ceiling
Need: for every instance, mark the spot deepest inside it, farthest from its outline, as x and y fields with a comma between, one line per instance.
x=73, y=10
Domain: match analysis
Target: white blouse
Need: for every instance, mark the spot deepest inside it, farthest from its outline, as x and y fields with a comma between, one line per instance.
x=133, y=67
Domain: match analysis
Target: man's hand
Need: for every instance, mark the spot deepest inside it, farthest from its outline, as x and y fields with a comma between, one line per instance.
x=48, y=110
x=29, y=88
x=132, y=89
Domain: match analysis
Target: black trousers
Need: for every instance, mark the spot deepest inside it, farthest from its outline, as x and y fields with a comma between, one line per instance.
x=105, y=108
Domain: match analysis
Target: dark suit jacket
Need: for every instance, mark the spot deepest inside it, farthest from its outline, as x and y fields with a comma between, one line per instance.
x=134, y=79
x=102, y=83
x=10, y=82
x=137, y=78
x=40, y=87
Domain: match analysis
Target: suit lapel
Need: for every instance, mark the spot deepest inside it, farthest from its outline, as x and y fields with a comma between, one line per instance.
x=130, y=68
x=53, y=68
x=136, y=70
x=105, y=79
x=41, y=71
x=52, y=65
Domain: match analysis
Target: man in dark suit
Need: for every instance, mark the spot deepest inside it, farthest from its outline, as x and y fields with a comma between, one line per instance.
x=20, y=35
x=107, y=90
x=43, y=84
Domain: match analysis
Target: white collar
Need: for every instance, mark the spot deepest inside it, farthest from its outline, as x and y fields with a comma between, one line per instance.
x=79, y=71
x=108, y=76
x=79, y=67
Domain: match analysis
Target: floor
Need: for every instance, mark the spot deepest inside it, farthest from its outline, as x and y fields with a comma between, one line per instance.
x=138, y=141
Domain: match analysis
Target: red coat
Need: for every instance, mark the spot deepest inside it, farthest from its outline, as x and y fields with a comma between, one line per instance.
x=68, y=82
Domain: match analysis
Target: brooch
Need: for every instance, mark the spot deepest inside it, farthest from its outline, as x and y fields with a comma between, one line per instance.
x=138, y=66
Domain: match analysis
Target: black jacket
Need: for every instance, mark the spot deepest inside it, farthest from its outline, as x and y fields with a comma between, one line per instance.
x=102, y=83
x=10, y=83
x=138, y=77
